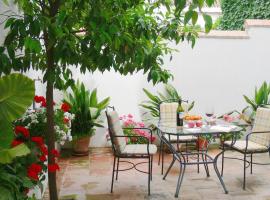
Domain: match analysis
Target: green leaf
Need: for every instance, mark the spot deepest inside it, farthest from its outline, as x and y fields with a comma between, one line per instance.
x=32, y=44
x=210, y=2
x=208, y=22
x=151, y=96
x=17, y=93
x=6, y=194
x=201, y=3
x=7, y=155
x=188, y=16
x=180, y=5
x=253, y=104
x=194, y=17
x=6, y=135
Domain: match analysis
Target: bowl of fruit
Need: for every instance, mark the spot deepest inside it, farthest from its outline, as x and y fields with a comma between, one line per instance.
x=193, y=121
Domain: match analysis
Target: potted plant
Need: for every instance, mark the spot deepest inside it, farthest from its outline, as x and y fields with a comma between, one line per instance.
x=86, y=110
x=260, y=99
x=129, y=124
x=203, y=141
x=35, y=120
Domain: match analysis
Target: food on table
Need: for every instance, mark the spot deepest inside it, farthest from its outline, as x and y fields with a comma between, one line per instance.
x=193, y=117
x=191, y=124
x=199, y=123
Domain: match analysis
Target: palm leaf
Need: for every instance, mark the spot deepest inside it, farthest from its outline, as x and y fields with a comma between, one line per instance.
x=253, y=104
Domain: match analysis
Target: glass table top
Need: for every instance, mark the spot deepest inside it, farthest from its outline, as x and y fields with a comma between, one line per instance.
x=220, y=127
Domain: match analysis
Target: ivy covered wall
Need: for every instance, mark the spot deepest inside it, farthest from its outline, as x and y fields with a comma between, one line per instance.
x=234, y=12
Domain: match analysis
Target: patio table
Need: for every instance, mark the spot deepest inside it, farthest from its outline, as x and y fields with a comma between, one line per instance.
x=169, y=129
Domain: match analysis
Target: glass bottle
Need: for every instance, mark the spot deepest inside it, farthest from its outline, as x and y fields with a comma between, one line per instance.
x=180, y=114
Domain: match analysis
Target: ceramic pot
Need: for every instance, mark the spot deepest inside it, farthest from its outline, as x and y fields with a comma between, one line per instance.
x=81, y=146
x=202, y=143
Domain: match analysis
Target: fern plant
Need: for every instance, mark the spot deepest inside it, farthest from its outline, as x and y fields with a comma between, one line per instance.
x=152, y=104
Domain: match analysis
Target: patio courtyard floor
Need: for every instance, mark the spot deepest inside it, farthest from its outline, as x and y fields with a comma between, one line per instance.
x=89, y=178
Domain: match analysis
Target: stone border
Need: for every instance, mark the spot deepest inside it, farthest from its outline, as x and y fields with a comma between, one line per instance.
x=237, y=34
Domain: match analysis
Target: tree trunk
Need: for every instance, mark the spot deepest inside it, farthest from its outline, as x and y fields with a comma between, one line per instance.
x=51, y=139
x=50, y=115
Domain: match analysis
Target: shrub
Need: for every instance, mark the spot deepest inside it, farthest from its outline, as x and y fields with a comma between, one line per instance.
x=234, y=12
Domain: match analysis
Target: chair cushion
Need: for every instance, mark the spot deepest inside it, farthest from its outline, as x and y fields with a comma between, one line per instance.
x=261, y=123
x=252, y=146
x=168, y=113
x=185, y=138
x=116, y=130
x=139, y=149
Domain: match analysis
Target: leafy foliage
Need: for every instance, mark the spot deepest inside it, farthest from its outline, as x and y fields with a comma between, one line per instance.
x=13, y=103
x=152, y=105
x=234, y=12
x=87, y=110
x=17, y=92
x=89, y=34
x=260, y=99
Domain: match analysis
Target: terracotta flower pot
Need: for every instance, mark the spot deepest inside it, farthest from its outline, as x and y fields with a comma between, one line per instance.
x=202, y=143
x=81, y=146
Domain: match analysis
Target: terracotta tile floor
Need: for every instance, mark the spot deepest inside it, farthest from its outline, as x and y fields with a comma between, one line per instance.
x=89, y=178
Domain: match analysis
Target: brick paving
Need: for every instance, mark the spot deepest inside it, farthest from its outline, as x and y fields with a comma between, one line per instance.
x=89, y=178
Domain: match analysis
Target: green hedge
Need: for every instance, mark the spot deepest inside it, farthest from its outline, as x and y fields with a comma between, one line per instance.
x=234, y=12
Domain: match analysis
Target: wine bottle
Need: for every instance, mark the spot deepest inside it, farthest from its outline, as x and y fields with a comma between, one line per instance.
x=180, y=114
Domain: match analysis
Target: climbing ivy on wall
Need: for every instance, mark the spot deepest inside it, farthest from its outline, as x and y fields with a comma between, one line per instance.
x=234, y=12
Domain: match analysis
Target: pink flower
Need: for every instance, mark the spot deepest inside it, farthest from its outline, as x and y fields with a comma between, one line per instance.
x=130, y=116
x=140, y=124
x=153, y=138
x=228, y=118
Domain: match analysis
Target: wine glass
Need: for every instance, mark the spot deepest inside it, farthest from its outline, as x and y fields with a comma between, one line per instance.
x=209, y=112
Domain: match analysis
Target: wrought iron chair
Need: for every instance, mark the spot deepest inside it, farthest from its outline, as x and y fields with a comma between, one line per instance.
x=122, y=150
x=257, y=141
x=167, y=115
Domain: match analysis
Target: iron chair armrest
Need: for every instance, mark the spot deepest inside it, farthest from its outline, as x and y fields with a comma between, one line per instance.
x=134, y=136
x=254, y=132
x=142, y=128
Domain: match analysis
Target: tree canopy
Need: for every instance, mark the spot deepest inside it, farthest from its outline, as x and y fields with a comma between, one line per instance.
x=124, y=35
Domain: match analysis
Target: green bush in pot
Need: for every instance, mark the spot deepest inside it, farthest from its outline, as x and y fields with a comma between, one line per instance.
x=86, y=110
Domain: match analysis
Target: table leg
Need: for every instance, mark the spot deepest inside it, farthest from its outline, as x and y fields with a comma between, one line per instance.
x=217, y=172
x=205, y=165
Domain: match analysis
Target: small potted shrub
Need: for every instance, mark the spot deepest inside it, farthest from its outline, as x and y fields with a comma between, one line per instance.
x=203, y=140
x=86, y=110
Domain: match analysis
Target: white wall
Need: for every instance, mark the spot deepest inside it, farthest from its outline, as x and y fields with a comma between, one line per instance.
x=217, y=72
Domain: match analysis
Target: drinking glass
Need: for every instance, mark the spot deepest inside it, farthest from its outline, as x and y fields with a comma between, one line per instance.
x=209, y=112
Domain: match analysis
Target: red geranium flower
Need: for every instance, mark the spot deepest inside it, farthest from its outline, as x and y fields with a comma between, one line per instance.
x=15, y=143
x=39, y=99
x=44, y=149
x=38, y=140
x=33, y=171
x=65, y=107
x=35, y=167
x=43, y=104
x=66, y=120
x=33, y=175
x=43, y=158
x=24, y=131
x=55, y=153
x=53, y=167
